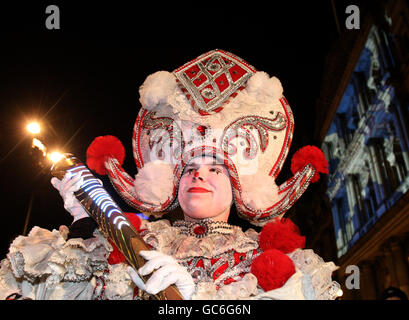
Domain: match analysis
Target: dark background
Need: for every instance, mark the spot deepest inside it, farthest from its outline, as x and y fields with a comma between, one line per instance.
x=82, y=81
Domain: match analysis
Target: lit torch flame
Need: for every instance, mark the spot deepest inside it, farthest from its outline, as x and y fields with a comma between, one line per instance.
x=54, y=156
x=37, y=143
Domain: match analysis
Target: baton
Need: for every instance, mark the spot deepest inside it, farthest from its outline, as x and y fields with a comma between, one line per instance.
x=111, y=220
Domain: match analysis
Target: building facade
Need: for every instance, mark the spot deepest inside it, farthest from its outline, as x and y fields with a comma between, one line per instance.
x=364, y=109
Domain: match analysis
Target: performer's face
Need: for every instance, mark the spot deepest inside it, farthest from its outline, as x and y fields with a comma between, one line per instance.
x=205, y=190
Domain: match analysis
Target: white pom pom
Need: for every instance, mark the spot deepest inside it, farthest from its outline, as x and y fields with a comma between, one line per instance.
x=256, y=197
x=154, y=182
x=156, y=89
x=260, y=85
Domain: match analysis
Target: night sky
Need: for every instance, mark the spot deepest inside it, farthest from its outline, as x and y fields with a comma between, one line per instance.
x=82, y=81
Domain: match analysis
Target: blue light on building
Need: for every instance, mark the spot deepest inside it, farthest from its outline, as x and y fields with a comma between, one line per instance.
x=367, y=145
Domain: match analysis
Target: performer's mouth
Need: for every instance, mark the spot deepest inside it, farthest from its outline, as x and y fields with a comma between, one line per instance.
x=197, y=190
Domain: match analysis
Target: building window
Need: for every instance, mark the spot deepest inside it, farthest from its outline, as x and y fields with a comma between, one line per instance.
x=367, y=145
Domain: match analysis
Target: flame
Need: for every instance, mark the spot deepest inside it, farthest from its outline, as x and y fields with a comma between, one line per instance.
x=37, y=143
x=55, y=156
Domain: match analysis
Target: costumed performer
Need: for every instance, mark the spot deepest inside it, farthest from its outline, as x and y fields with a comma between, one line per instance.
x=213, y=133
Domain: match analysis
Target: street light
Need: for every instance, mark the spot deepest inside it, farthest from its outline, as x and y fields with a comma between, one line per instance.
x=33, y=127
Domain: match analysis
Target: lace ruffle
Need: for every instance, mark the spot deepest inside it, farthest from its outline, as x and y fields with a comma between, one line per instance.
x=46, y=253
x=44, y=266
x=319, y=272
x=8, y=283
x=119, y=285
x=296, y=288
x=242, y=289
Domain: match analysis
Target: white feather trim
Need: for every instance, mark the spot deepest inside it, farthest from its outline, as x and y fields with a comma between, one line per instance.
x=259, y=196
x=156, y=89
x=262, y=87
x=154, y=182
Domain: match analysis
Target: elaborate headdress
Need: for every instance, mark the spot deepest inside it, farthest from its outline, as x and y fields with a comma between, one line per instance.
x=215, y=105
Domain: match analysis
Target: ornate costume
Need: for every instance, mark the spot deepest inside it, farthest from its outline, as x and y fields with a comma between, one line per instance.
x=220, y=262
x=217, y=106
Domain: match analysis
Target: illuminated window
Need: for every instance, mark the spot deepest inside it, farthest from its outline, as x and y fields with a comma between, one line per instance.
x=367, y=145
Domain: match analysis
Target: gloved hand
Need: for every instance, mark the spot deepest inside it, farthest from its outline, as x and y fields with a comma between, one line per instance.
x=66, y=187
x=168, y=272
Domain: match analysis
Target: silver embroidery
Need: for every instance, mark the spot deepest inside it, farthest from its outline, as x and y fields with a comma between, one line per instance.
x=165, y=133
x=208, y=93
x=241, y=128
x=225, y=61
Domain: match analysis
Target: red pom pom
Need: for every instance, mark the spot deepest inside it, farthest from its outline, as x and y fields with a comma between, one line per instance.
x=116, y=256
x=272, y=269
x=310, y=155
x=281, y=234
x=101, y=148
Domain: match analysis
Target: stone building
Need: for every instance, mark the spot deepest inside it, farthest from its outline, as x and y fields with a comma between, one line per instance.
x=363, y=111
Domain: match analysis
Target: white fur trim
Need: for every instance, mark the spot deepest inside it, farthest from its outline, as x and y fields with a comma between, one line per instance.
x=256, y=197
x=262, y=87
x=156, y=89
x=154, y=182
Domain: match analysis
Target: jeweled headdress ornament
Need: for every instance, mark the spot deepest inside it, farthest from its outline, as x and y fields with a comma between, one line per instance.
x=216, y=105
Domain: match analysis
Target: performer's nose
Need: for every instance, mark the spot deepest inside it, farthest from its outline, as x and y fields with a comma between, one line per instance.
x=197, y=175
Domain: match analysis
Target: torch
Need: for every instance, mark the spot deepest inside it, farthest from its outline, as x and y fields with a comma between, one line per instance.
x=109, y=217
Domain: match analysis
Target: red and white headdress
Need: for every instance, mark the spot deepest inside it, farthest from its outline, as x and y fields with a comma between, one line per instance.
x=215, y=105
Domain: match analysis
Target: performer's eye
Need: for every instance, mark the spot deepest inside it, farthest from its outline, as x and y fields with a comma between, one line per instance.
x=217, y=171
x=189, y=171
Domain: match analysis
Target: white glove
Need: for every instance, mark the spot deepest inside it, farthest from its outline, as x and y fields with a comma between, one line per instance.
x=168, y=272
x=66, y=187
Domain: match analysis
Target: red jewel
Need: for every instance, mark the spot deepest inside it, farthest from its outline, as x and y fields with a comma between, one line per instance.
x=202, y=130
x=199, y=230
